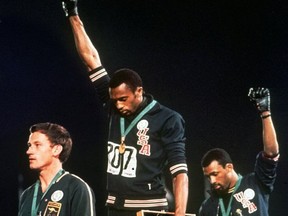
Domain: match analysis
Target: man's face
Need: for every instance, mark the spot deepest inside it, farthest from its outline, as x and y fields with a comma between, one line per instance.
x=219, y=176
x=125, y=100
x=40, y=151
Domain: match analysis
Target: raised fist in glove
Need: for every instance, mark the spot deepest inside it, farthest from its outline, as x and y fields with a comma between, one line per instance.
x=260, y=97
x=70, y=7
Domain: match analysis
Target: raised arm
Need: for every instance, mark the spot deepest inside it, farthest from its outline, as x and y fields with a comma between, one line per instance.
x=260, y=97
x=84, y=46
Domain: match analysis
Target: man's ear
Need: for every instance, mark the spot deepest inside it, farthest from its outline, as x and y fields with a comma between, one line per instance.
x=139, y=91
x=57, y=149
x=229, y=166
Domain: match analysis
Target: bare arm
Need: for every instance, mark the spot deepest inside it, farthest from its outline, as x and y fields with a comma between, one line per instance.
x=86, y=50
x=180, y=190
x=260, y=97
x=271, y=147
x=84, y=46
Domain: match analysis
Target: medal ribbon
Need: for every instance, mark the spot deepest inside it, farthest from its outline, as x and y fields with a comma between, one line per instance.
x=226, y=213
x=34, y=208
x=132, y=124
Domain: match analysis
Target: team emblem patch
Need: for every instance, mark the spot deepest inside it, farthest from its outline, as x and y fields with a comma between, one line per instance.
x=52, y=209
x=57, y=196
x=143, y=124
x=249, y=193
x=245, y=198
x=143, y=138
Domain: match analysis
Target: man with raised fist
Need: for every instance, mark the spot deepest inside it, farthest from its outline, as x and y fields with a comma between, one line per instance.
x=144, y=136
x=231, y=193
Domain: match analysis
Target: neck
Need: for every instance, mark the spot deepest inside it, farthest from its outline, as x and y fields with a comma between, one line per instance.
x=234, y=179
x=139, y=107
x=140, y=102
x=141, y=99
x=47, y=175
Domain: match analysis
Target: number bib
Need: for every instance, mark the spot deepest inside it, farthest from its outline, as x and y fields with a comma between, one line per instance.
x=122, y=164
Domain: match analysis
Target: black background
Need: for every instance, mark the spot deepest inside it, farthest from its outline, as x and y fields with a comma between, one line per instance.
x=197, y=57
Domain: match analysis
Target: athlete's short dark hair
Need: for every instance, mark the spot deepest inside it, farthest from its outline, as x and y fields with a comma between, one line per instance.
x=57, y=135
x=127, y=76
x=216, y=154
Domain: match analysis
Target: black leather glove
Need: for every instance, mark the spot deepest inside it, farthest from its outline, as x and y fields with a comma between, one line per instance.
x=70, y=7
x=260, y=97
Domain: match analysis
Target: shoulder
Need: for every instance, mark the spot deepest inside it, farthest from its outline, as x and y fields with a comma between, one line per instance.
x=27, y=192
x=74, y=181
x=212, y=200
x=30, y=188
x=209, y=206
x=166, y=111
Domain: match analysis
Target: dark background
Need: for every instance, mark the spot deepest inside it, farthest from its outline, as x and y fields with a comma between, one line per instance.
x=198, y=57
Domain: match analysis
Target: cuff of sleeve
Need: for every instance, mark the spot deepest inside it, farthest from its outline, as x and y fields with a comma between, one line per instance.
x=97, y=73
x=273, y=157
x=178, y=168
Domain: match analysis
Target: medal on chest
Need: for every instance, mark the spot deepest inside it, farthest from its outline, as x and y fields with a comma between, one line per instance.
x=122, y=146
